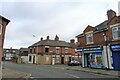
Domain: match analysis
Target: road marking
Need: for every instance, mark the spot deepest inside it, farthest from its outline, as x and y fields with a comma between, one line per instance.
x=72, y=75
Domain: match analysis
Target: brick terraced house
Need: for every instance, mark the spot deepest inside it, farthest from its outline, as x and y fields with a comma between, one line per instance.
x=3, y=23
x=52, y=51
x=100, y=45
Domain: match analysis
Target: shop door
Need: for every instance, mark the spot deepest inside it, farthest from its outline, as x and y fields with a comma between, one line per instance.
x=88, y=60
x=116, y=60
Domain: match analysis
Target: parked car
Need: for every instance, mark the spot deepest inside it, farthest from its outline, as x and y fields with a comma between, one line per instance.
x=74, y=63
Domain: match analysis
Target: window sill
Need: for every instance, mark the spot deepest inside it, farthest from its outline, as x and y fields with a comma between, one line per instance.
x=115, y=39
x=90, y=43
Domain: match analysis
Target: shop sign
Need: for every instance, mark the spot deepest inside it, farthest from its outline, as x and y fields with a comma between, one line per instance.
x=93, y=51
x=115, y=47
x=94, y=48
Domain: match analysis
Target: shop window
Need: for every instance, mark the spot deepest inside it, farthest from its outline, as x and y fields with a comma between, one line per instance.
x=99, y=60
x=89, y=38
x=116, y=32
x=93, y=59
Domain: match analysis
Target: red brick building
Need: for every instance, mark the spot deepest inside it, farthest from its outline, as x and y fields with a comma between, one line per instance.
x=95, y=43
x=52, y=51
x=3, y=23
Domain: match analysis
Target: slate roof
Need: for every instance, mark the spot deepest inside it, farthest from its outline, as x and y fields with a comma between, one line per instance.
x=102, y=26
x=53, y=43
x=99, y=27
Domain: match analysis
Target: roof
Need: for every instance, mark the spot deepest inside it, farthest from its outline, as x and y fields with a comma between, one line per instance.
x=80, y=35
x=52, y=43
x=1, y=17
x=102, y=26
x=99, y=27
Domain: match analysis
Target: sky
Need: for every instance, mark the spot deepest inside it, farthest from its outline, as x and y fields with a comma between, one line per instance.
x=33, y=19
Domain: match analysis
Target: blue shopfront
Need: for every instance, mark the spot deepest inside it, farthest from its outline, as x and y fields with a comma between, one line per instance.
x=115, y=48
x=93, y=57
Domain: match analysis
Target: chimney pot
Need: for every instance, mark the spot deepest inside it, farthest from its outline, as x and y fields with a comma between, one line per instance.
x=47, y=37
x=41, y=38
x=72, y=41
x=56, y=38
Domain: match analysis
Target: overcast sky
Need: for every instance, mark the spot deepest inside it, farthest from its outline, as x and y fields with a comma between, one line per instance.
x=66, y=18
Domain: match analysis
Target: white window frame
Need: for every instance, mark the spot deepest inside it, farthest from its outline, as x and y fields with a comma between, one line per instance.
x=66, y=50
x=57, y=50
x=116, y=32
x=0, y=29
x=87, y=38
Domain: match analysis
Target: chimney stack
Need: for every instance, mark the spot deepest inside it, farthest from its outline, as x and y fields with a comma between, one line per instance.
x=47, y=37
x=56, y=38
x=111, y=14
x=41, y=38
x=72, y=41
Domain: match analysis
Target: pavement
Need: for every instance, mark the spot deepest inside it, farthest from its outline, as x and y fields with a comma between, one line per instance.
x=10, y=73
x=94, y=70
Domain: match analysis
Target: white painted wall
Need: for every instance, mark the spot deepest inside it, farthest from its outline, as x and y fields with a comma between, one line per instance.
x=32, y=55
x=24, y=59
x=105, y=62
x=83, y=64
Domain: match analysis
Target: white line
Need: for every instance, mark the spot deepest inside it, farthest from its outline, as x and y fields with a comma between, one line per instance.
x=72, y=75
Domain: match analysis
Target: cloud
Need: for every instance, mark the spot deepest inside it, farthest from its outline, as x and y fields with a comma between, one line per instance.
x=66, y=18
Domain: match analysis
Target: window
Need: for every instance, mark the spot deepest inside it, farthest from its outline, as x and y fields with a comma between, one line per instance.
x=7, y=50
x=0, y=29
x=57, y=50
x=34, y=50
x=46, y=50
x=30, y=58
x=14, y=51
x=30, y=50
x=116, y=32
x=66, y=50
x=89, y=38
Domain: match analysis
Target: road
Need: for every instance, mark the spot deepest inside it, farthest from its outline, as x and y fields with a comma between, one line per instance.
x=50, y=71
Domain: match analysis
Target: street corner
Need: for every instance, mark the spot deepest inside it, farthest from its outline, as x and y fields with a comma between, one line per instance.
x=11, y=73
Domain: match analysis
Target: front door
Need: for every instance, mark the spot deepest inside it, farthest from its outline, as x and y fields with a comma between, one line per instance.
x=88, y=60
x=116, y=60
x=62, y=60
x=33, y=59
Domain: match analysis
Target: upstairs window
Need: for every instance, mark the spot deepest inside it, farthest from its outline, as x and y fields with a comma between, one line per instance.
x=89, y=38
x=46, y=50
x=66, y=50
x=30, y=50
x=57, y=50
x=116, y=32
